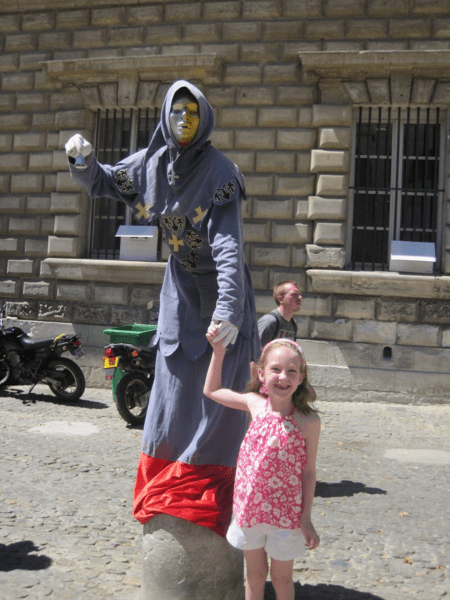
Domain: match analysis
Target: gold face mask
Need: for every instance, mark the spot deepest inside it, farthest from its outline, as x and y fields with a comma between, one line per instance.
x=184, y=119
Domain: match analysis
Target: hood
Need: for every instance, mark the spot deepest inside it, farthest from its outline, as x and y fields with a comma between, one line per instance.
x=206, y=115
x=180, y=163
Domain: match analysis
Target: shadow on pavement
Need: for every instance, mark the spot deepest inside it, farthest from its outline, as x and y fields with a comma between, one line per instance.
x=344, y=488
x=22, y=394
x=137, y=427
x=322, y=591
x=17, y=556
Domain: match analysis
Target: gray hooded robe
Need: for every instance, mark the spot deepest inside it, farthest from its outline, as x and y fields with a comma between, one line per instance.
x=195, y=192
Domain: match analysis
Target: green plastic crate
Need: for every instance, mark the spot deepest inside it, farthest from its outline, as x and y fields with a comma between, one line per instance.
x=139, y=335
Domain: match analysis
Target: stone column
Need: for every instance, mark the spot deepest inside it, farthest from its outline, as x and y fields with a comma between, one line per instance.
x=184, y=561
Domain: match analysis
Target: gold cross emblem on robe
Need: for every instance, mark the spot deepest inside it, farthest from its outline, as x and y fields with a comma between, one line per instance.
x=143, y=211
x=175, y=242
x=200, y=214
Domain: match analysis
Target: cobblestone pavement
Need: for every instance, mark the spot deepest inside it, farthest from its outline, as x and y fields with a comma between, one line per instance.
x=66, y=483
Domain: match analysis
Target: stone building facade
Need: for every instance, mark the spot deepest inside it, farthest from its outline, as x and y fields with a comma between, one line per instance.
x=294, y=84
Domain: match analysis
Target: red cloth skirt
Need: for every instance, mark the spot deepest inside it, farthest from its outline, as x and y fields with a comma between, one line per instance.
x=202, y=494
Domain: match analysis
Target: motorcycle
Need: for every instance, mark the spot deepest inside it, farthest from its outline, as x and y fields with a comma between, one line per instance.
x=133, y=389
x=28, y=361
x=138, y=363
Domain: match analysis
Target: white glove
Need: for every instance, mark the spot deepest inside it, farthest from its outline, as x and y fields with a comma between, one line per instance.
x=78, y=146
x=227, y=332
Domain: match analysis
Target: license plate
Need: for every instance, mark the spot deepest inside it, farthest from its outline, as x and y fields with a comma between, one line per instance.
x=79, y=353
x=109, y=374
x=109, y=363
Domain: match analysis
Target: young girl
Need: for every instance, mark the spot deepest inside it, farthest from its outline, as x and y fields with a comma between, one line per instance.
x=276, y=470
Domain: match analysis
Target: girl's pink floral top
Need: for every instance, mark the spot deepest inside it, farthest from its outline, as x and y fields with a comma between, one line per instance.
x=268, y=486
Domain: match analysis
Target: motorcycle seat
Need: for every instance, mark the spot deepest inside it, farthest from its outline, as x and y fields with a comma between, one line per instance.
x=28, y=343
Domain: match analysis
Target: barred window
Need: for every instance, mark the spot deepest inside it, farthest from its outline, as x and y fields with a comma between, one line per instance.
x=397, y=182
x=119, y=133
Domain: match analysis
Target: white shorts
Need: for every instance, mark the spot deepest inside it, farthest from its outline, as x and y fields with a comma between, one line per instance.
x=280, y=544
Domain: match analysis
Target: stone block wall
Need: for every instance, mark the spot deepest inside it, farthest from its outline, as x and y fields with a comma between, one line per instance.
x=283, y=114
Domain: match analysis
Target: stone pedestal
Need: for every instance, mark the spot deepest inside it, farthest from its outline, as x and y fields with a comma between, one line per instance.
x=184, y=561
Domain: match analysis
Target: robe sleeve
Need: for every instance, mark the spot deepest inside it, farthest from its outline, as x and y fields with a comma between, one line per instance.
x=225, y=231
x=119, y=182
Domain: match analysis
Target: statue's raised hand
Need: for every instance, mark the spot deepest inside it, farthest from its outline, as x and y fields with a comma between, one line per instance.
x=78, y=146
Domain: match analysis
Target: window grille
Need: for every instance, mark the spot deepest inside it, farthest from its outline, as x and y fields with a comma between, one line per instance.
x=119, y=133
x=397, y=182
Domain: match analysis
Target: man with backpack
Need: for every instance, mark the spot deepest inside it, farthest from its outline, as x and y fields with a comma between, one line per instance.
x=280, y=322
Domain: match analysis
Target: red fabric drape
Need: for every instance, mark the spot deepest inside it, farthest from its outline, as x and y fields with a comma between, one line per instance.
x=202, y=494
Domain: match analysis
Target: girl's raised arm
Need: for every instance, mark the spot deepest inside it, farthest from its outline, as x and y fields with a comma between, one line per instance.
x=213, y=383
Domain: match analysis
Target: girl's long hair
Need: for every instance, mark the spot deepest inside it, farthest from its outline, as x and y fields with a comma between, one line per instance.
x=304, y=395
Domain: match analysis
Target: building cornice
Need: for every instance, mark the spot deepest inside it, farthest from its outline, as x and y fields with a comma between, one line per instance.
x=111, y=271
x=378, y=283
x=164, y=68
x=375, y=63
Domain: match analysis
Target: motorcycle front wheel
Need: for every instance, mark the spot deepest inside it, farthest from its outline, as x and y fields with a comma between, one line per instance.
x=71, y=383
x=132, y=395
x=5, y=373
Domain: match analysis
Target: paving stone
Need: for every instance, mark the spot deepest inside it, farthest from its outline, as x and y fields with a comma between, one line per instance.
x=66, y=525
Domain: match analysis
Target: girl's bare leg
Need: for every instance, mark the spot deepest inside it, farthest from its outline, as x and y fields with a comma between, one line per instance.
x=257, y=571
x=281, y=576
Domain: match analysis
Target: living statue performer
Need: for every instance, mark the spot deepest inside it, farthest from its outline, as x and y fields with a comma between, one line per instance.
x=190, y=444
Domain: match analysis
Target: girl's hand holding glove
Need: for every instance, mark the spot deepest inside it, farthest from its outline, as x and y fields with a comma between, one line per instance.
x=224, y=331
